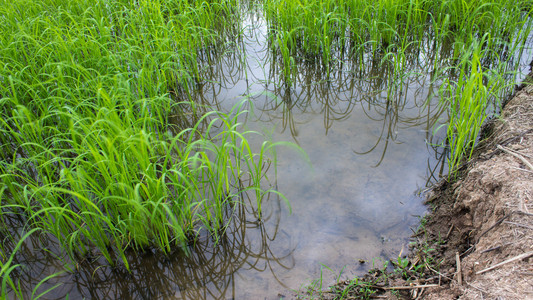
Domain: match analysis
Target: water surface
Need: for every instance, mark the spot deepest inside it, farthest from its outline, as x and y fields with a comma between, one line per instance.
x=372, y=151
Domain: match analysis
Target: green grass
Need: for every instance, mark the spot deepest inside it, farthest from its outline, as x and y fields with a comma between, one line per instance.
x=469, y=99
x=101, y=146
x=89, y=152
x=328, y=33
x=460, y=40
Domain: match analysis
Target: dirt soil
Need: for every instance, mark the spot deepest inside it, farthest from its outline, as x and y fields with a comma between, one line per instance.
x=484, y=219
x=477, y=241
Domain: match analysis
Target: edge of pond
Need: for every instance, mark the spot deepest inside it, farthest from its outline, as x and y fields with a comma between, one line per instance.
x=477, y=238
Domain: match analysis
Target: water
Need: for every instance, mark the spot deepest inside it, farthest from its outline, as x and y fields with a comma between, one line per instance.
x=369, y=156
x=371, y=153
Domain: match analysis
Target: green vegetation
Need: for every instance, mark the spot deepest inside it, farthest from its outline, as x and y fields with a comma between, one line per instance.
x=471, y=47
x=361, y=288
x=468, y=105
x=99, y=144
x=102, y=147
x=409, y=269
x=472, y=50
x=326, y=30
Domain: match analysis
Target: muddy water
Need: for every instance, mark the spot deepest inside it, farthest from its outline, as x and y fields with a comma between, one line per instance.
x=370, y=153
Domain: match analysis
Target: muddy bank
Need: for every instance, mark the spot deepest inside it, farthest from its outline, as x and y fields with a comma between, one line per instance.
x=483, y=222
x=477, y=241
x=486, y=216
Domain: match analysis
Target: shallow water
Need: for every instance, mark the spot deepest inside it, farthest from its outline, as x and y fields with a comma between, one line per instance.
x=371, y=154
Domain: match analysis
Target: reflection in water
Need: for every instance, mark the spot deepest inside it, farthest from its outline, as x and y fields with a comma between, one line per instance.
x=341, y=211
x=207, y=273
x=367, y=128
x=378, y=85
x=368, y=133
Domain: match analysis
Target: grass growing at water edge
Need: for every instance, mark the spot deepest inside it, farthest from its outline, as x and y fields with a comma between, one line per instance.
x=100, y=146
x=7, y=267
x=469, y=101
x=128, y=189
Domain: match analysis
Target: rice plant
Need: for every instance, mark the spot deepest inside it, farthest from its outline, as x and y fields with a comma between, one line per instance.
x=102, y=147
x=324, y=31
x=468, y=101
x=89, y=154
x=117, y=186
x=396, y=33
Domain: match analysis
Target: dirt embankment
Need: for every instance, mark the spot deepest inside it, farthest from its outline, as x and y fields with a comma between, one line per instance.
x=477, y=242
x=484, y=220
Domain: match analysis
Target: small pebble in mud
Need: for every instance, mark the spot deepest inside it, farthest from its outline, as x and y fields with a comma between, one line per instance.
x=362, y=261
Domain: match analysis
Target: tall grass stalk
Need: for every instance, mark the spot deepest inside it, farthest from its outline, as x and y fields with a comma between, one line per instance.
x=88, y=150
x=469, y=100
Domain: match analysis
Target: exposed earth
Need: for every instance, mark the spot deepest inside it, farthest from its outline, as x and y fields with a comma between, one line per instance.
x=477, y=241
x=487, y=214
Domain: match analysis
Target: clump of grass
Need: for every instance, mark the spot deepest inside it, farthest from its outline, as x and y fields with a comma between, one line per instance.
x=116, y=186
x=468, y=101
x=330, y=33
x=88, y=150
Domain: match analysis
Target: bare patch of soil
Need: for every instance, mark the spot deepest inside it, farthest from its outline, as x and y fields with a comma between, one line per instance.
x=485, y=218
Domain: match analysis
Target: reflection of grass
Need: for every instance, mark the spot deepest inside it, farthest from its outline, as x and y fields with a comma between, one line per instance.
x=88, y=152
x=88, y=89
x=395, y=33
x=246, y=242
x=462, y=40
x=7, y=267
